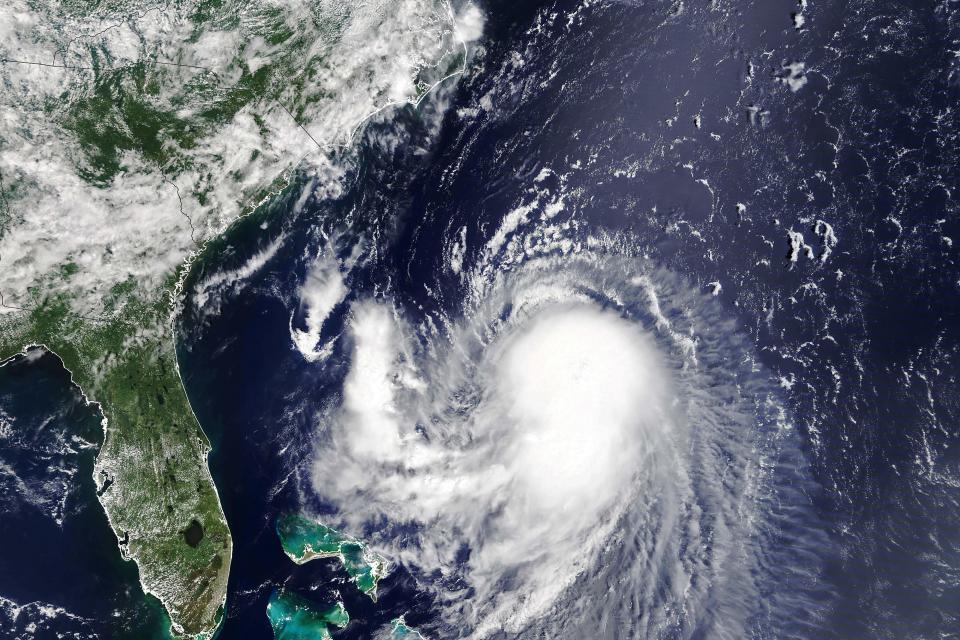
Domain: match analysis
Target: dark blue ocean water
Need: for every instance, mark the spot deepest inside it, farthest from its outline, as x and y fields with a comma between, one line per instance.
x=61, y=574
x=679, y=123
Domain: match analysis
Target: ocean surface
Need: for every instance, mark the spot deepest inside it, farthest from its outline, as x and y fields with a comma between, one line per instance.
x=61, y=574
x=781, y=174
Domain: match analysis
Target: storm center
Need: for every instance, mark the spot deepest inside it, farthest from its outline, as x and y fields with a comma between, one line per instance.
x=580, y=390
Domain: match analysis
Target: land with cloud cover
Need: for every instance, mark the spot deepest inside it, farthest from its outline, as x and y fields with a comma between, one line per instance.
x=131, y=134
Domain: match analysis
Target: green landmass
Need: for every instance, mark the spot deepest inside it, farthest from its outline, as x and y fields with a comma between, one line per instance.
x=304, y=539
x=151, y=471
x=159, y=113
x=296, y=618
x=152, y=474
x=162, y=111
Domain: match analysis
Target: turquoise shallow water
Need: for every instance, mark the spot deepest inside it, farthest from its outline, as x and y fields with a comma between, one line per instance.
x=402, y=631
x=304, y=539
x=294, y=617
x=681, y=131
x=300, y=535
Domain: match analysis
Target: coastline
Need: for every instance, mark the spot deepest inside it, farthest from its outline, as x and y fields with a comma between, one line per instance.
x=101, y=482
x=52, y=326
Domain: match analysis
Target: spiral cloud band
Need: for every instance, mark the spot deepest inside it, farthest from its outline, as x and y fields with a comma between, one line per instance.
x=584, y=419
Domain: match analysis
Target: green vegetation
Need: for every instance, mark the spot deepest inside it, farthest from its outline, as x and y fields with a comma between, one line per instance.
x=160, y=111
x=160, y=115
x=5, y=215
x=124, y=113
x=12, y=189
x=250, y=88
x=152, y=469
x=100, y=7
x=304, y=539
x=68, y=269
x=295, y=618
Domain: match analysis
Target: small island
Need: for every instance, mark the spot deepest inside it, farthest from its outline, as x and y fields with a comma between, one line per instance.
x=402, y=632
